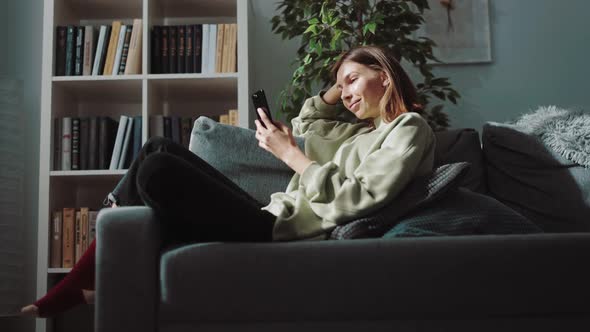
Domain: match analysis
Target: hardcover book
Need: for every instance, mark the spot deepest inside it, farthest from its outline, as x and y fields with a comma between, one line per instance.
x=56, y=240
x=68, y=243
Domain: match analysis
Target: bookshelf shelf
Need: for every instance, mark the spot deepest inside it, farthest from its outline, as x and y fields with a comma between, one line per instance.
x=146, y=95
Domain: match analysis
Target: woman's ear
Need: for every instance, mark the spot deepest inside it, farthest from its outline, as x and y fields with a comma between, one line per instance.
x=384, y=79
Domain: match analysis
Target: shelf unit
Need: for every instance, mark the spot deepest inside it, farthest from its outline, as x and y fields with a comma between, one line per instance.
x=145, y=94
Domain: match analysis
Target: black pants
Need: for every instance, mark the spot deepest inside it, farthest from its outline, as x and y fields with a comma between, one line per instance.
x=195, y=202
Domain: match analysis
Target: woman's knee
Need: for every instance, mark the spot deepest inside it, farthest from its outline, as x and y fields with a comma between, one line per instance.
x=156, y=142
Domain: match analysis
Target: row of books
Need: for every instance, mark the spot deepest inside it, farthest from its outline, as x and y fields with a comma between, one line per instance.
x=72, y=231
x=103, y=50
x=194, y=48
x=99, y=142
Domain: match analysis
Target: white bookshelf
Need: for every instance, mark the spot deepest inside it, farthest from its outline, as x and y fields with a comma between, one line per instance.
x=144, y=94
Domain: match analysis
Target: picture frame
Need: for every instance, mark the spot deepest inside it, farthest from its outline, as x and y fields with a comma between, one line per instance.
x=462, y=33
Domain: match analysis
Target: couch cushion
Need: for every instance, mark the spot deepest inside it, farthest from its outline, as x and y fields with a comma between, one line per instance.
x=234, y=151
x=462, y=145
x=462, y=212
x=535, y=180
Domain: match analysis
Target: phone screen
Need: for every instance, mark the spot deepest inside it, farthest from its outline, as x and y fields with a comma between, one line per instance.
x=259, y=101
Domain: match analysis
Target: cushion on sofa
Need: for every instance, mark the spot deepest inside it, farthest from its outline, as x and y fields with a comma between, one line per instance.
x=462, y=212
x=458, y=145
x=538, y=181
x=234, y=151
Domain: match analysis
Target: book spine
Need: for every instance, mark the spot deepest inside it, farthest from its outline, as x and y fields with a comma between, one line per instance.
x=56, y=240
x=157, y=126
x=77, y=238
x=167, y=127
x=156, y=49
x=84, y=142
x=125, y=53
x=107, y=128
x=188, y=50
x=185, y=132
x=212, y=48
x=79, y=60
x=180, y=49
x=103, y=54
x=57, y=137
x=112, y=48
x=197, y=45
x=75, y=144
x=93, y=143
x=137, y=129
x=60, y=50
x=70, y=45
x=134, y=58
x=66, y=144
x=164, y=64
x=88, y=50
x=205, y=48
x=99, y=48
x=118, y=142
x=219, y=48
x=84, y=215
x=233, y=117
x=125, y=147
x=175, y=124
x=68, y=234
x=119, y=51
x=172, y=56
x=92, y=225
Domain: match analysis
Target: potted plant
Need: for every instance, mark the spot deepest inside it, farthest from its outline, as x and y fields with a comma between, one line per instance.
x=327, y=28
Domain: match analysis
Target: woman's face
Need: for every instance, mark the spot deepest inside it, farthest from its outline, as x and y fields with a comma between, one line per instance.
x=362, y=89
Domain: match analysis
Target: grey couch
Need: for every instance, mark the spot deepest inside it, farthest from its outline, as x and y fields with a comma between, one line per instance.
x=487, y=282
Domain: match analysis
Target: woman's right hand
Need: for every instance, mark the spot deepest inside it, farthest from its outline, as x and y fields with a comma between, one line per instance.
x=332, y=96
x=30, y=311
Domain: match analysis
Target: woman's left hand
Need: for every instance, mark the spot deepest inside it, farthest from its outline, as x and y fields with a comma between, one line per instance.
x=278, y=139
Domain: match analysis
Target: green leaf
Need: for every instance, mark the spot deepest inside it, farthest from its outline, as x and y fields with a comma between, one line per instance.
x=313, y=21
x=311, y=28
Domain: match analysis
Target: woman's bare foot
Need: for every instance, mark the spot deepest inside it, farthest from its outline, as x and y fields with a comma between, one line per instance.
x=114, y=205
x=30, y=311
x=88, y=295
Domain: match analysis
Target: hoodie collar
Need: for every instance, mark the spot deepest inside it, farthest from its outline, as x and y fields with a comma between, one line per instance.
x=377, y=122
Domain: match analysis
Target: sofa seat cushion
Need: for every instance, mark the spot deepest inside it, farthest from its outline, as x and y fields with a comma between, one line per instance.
x=368, y=279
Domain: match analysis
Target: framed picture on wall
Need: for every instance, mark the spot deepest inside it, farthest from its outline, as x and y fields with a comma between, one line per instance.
x=460, y=29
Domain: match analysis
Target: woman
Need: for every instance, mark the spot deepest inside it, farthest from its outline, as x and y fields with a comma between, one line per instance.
x=349, y=169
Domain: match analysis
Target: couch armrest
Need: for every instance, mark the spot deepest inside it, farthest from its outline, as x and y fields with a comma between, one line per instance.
x=127, y=260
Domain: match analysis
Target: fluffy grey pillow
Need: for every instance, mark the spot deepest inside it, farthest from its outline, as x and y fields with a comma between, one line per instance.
x=533, y=179
x=234, y=151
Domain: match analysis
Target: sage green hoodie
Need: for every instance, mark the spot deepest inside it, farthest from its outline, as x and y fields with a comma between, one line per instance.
x=355, y=170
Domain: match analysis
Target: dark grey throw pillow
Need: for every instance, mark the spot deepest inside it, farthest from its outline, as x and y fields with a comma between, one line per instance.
x=422, y=190
x=234, y=151
x=462, y=212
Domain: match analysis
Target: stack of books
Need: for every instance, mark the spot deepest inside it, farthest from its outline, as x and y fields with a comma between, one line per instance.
x=72, y=231
x=104, y=50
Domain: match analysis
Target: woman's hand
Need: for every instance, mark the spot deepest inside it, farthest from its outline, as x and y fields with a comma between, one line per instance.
x=278, y=139
x=333, y=95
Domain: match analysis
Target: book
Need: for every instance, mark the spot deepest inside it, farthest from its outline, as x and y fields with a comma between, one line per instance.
x=84, y=142
x=55, y=260
x=103, y=54
x=156, y=50
x=100, y=47
x=175, y=131
x=133, y=65
x=164, y=62
x=205, y=48
x=225, y=59
x=57, y=137
x=219, y=48
x=180, y=49
x=157, y=126
x=188, y=49
x=60, y=50
x=212, y=48
x=112, y=48
x=233, y=117
x=79, y=54
x=70, y=49
x=89, y=49
x=119, y=51
x=125, y=146
x=185, y=131
x=197, y=47
x=116, y=154
x=125, y=52
x=137, y=140
x=167, y=127
x=66, y=144
x=172, y=43
x=93, y=143
x=68, y=243
x=224, y=118
x=77, y=237
x=92, y=215
x=84, y=224
x=233, y=48
x=107, y=129
x=75, y=143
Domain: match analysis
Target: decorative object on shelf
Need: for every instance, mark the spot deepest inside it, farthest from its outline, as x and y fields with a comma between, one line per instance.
x=460, y=29
x=327, y=28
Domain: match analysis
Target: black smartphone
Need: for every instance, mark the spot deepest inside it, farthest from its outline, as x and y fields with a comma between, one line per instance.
x=259, y=101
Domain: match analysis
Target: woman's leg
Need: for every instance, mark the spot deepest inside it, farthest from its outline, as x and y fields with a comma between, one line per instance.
x=196, y=203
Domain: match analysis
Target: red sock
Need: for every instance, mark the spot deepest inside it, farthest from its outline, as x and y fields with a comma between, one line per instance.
x=68, y=292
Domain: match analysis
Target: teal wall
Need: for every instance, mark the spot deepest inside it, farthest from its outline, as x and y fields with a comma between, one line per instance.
x=539, y=49
x=20, y=58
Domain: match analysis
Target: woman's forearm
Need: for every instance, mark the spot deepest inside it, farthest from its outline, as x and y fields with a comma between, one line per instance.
x=297, y=160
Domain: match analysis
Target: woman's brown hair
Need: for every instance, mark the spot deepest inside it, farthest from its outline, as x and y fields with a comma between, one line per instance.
x=400, y=96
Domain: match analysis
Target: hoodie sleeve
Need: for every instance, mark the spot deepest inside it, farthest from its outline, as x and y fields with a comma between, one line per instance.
x=320, y=118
